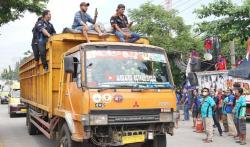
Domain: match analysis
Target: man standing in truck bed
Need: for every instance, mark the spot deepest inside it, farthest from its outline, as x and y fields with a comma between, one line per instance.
x=34, y=42
x=119, y=22
x=45, y=30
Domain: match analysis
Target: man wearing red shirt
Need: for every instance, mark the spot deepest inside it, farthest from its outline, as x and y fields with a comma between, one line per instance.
x=221, y=64
x=208, y=45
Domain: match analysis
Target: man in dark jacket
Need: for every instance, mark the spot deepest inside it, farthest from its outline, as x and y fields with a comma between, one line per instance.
x=45, y=30
x=34, y=42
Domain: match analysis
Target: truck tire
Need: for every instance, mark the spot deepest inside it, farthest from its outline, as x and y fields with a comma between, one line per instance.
x=32, y=130
x=160, y=141
x=148, y=143
x=11, y=115
x=65, y=138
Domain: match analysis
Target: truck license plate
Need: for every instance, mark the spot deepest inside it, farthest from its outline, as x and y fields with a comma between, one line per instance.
x=133, y=139
x=23, y=110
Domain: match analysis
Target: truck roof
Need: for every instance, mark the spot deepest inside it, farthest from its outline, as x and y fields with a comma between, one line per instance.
x=111, y=39
x=111, y=44
x=93, y=37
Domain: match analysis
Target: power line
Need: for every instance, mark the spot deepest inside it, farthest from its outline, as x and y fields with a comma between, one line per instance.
x=190, y=6
x=182, y=4
x=178, y=1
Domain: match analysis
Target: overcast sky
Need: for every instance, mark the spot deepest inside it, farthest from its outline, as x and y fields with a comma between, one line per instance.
x=16, y=36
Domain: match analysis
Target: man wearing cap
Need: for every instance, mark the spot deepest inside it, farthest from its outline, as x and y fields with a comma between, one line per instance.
x=120, y=24
x=81, y=19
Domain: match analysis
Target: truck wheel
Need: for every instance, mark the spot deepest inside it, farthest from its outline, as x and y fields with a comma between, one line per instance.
x=160, y=141
x=11, y=115
x=32, y=130
x=65, y=138
x=147, y=143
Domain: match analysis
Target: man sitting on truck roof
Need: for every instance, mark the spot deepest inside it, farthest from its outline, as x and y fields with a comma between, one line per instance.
x=120, y=24
x=81, y=19
x=45, y=30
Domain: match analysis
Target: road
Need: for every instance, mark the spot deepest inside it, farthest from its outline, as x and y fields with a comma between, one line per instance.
x=13, y=133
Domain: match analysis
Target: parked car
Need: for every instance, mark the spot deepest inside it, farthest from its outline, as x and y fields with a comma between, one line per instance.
x=4, y=96
x=15, y=104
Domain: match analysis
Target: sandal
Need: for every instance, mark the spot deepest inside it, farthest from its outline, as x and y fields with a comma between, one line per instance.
x=243, y=143
x=238, y=141
x=208, y=141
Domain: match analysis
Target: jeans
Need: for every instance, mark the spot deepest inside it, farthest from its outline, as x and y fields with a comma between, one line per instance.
x=186, y=112
x=35, y=51
x=216, y=122
x=42, y=50
x=134, y=36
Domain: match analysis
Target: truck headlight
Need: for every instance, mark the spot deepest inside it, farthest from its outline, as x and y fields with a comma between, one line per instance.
x=98, y=119
x=166, y=117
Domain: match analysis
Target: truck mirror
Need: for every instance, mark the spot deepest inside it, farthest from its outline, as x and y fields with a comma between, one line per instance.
x=79, y=81
x=68, y=64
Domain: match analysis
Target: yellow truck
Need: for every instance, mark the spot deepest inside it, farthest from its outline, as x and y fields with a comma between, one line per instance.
x=16, y=107
x=103, y=93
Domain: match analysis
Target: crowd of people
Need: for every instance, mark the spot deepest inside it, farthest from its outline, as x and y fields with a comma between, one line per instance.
x=43, y=29
x=213, y=108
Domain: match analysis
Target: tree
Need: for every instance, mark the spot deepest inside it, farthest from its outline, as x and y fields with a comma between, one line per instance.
x=165, y=29
x=11, y=10
x=162, y=28
x=10, y=74
x=231, y=20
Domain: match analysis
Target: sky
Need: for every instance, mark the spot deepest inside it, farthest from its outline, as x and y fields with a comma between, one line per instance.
x=15, y=37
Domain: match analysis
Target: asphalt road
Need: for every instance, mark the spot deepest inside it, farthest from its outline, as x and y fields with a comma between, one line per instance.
x=13, y=133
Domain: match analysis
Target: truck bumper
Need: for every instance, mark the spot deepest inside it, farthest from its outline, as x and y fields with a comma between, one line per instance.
x=124, y=127
x=19, y=109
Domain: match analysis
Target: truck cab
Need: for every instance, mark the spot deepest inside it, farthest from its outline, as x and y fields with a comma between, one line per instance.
x=123, y=93
x=100, y=93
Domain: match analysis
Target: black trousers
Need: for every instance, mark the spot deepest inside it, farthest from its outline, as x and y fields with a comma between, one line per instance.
x=42, y=50
x=216, y=122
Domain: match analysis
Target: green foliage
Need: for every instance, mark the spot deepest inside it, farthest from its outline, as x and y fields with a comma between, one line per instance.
x=177, y=74
x=230, y=21
x=167, y=30
x=162, y=28
x=10, y=74
x=11, y=10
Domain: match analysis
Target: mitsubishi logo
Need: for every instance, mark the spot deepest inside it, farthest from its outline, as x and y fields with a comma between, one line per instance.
x=136, y=105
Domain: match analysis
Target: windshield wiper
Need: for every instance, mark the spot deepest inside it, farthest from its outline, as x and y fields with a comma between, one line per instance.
x=115, y=87
x=137, y=87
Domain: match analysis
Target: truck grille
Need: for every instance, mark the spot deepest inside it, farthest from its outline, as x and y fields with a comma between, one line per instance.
x=131, y=116
x=133, y=119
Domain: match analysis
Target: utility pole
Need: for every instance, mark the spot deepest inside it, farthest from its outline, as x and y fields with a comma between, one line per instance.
x=232, y=54
x=168, y=5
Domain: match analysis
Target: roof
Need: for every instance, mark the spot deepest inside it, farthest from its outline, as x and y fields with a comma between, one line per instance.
x=77, y=37
x=112, y=43
x=93, y=37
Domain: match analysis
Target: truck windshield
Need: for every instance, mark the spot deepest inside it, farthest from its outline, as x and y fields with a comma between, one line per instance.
x=126, y=69
x=15, y=94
